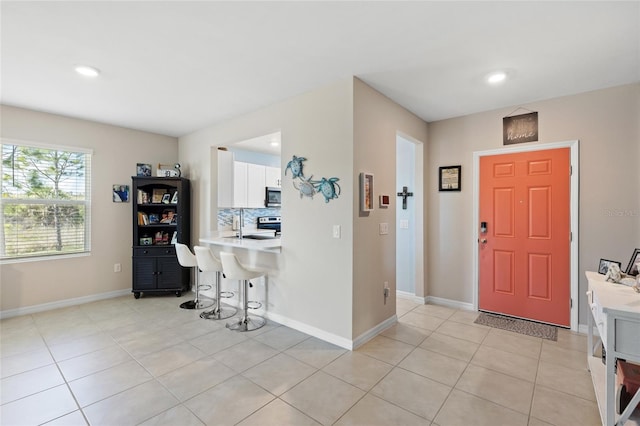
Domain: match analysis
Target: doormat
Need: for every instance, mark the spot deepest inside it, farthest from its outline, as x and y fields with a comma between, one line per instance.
x=518, y=325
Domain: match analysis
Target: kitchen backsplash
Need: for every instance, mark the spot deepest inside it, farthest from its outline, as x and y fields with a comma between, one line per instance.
x=225, y=216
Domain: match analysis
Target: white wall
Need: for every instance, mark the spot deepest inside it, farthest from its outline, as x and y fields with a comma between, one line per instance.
x=314, y=281
x=116, y=152
x=605, y=122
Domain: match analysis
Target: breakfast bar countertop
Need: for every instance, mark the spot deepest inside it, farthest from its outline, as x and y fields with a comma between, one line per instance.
x=228, y=239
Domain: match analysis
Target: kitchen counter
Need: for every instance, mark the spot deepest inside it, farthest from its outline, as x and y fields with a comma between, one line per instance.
x=228, y=239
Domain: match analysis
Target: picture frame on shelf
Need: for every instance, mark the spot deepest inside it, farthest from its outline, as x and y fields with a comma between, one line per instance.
x=166, y=198
x=450, y=178
x=157, y=195
x=143, y=169
x=603, y=266
x=154, y=218
x=174, y=198
x=632, y=267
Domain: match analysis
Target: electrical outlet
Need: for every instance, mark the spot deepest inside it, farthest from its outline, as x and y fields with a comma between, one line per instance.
x=336, y=231
x=117, y=267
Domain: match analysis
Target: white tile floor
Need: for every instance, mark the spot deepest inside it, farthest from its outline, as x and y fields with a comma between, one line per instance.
x=126, y=362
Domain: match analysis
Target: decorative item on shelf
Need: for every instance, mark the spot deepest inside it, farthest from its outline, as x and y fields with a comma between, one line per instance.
x=174, y=198
x=169, y=216
x=158, y=238
x=143, y=169
x=168, y=170
x=449, y=178
x=120, y=193
x=308, y=187
x=154, y=218
x=366, y=192
x=166, y=198
x=146, y=240
x=157, y=195
x=604, y=264
x=614, y=274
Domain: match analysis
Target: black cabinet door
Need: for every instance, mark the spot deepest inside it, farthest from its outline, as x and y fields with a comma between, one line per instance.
x=144, y=273
x=169, y=273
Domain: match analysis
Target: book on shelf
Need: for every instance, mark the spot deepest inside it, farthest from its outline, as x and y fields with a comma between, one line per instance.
x=143, y=219
x=143, y=197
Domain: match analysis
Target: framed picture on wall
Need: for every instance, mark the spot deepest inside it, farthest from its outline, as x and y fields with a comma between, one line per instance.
x=449, y=178
x=366, y=192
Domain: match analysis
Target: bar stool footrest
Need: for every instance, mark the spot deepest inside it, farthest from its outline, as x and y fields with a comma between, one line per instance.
x=226, y=294
x=252, y=304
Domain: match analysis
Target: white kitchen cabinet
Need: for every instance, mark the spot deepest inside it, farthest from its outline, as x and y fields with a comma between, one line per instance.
x=240, y=184
x=255, y=185
x=273, y=176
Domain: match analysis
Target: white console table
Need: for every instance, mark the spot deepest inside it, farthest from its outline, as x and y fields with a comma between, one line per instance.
x=615, y=308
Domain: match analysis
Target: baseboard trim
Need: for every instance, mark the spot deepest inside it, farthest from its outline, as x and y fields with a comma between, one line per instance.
x=584, y=329
x=450, y=303
x=373, y=332
x=410, y=296
x=310, y=330
x=9, y=313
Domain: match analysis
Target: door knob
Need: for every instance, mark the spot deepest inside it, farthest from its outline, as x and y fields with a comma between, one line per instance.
x=483, y=241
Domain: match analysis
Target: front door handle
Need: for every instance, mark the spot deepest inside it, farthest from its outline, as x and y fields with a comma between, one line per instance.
x=483, y=241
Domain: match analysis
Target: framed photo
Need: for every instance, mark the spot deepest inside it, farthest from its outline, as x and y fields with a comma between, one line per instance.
x=120, y=193
x=174, y=198
x=366, y=192
x=166, y=198
x=157, y=195
x=604, y=265
x=143, y=169
x=449, y=178
x=632, y=268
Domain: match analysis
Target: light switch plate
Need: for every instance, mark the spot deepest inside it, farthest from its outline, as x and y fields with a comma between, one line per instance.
x=336, y=231
x=384, y=228
x=404, y=224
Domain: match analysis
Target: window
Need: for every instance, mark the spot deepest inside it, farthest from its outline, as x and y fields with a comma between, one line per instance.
x=45, y=201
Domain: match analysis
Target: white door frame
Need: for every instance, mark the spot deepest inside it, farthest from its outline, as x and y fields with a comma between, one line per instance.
x=574, y=147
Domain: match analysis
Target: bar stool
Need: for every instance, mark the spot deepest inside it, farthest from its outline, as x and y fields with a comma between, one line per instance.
x=207, y=262
x=187, y=259
x=232, y=269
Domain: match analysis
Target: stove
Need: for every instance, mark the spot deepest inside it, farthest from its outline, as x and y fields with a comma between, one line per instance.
x=270, y=222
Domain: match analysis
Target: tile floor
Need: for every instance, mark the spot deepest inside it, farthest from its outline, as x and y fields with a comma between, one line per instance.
x=127, y=362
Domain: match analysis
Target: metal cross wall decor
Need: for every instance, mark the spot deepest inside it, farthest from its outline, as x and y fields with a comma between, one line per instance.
x=404, y=194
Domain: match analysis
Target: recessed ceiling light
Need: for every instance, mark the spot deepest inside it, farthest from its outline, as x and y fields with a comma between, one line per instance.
x=87, y=71
x=496, y=77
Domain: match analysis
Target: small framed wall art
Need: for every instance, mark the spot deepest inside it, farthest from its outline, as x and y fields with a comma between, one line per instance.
x=366, y=192
x=449, y=178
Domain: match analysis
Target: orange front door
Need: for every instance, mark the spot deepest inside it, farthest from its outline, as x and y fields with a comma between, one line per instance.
x=525, y=251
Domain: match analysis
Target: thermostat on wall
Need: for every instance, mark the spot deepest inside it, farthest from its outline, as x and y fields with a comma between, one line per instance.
x=384, y=201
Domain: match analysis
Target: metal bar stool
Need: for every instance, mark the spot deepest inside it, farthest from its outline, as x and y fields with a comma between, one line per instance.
x=187, y=259
x=232, y=269
x=207, y=262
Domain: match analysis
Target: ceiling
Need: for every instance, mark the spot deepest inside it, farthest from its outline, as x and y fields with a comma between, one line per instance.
x=176, y=67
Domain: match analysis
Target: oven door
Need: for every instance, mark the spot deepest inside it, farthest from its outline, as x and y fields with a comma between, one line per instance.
x=272, y=197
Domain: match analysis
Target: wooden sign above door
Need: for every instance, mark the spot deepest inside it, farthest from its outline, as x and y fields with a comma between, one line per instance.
x=520, y=128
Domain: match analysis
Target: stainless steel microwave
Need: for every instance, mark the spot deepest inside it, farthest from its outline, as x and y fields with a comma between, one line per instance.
x=272, y=197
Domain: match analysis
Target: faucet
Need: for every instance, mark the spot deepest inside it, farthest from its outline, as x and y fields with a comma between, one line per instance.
x=241, y=223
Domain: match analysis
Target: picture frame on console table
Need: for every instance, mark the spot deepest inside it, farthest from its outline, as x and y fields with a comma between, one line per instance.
x=603, y=267
x=632, y=268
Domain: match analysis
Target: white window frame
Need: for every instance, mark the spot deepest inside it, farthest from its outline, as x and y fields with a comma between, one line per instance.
x=86, y=202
